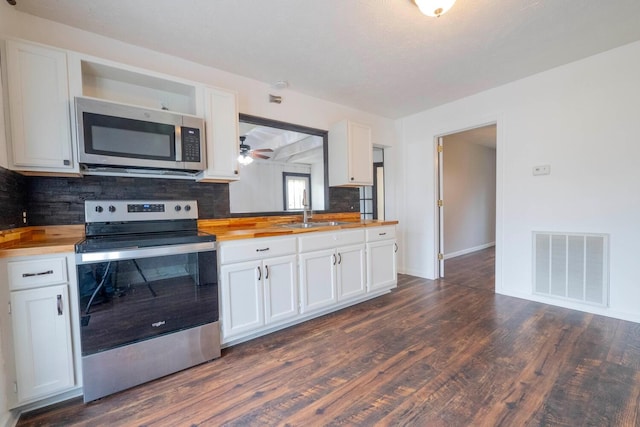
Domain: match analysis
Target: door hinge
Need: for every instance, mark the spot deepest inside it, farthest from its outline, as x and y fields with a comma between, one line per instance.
x=440, y=257
x=440, y=203
x=440, y=148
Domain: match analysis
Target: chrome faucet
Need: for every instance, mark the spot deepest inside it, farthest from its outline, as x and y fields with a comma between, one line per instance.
x=306, y=212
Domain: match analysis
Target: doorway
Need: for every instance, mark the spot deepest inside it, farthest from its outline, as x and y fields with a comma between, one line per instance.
x=372, y=197
x=467, y=201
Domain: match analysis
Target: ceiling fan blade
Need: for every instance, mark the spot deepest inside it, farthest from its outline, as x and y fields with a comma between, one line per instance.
x=259, y=156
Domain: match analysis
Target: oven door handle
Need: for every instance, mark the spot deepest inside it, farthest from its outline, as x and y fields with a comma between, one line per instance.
x=156, y=251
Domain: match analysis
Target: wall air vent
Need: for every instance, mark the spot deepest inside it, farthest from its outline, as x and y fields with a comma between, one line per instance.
x=572, y=266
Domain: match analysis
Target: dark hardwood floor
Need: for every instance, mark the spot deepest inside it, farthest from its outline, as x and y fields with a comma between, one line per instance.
x=431, y=353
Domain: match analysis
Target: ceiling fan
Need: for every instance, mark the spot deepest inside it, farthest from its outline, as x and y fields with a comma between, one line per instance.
x=247, y=154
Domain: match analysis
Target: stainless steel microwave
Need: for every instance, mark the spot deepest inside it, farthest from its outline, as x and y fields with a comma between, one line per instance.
x=125, y=136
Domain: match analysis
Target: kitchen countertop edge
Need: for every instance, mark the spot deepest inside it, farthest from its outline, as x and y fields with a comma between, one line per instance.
x=46, y=240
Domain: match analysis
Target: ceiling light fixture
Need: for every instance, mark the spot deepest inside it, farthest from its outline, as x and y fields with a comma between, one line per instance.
x=280, y=84
x=434, y=7
x=244, y=159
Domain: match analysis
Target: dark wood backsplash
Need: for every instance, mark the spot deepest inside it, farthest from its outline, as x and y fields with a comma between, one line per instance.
x=60, y=200
x=13, y=198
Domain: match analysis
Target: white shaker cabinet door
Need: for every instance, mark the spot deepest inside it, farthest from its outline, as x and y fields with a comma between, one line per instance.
x=381, y=262
x=39, y=109
x=281, y=289
x=318, y=280
x=351, y=272
x=42, y=339
x=242, y=298
x=223, y=143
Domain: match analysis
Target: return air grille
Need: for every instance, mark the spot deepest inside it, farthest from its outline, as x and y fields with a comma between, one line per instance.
x=571, y=266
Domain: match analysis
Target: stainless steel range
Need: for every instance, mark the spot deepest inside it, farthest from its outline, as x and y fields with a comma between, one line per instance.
x=147, y=283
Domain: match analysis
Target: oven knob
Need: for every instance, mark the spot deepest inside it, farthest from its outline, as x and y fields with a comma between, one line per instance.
x=112, y=208
x=99, y=209
x=178, y=208
x=187, y=208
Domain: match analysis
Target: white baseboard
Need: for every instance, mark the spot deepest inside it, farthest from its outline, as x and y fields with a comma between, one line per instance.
x=469, y=250
x=9, y=419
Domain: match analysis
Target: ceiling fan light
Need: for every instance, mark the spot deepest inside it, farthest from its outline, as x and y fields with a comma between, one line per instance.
x=244, y=159
x=434, y=7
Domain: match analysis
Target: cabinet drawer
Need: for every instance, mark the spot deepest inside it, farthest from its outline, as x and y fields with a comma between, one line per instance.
x=381, y=233
x=319, y=241
x=255, y=249
x=37, y=272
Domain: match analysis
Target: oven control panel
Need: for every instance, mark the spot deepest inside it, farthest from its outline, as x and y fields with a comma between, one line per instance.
x=139, y=210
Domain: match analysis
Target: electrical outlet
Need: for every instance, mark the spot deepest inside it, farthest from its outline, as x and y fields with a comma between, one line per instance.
x=542, y=170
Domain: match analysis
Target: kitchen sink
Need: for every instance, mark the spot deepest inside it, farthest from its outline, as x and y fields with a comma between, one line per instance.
x=313, y=224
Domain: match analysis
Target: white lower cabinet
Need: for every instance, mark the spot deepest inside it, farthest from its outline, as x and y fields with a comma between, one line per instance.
x=242, y=298
x=258, y=293
x=331, y=275
x=37, y=332
x=318, y=280
x=266, y=283
x=381, y=258
x=332, y=268
x=351, y=272
x=42, y=340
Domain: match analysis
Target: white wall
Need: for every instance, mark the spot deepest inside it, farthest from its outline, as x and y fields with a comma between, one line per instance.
x=469, y=177
x=583, y=119
x=260, y=189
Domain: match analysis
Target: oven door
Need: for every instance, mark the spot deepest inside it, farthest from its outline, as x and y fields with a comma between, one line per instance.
x=131, y=295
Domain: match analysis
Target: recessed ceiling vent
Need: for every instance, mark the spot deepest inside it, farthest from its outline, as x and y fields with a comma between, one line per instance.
x=572, y=266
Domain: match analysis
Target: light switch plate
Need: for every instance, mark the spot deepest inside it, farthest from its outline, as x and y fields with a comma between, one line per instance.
x=542, y=170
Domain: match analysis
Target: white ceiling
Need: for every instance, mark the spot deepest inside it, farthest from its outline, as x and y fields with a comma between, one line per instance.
x=380, y=56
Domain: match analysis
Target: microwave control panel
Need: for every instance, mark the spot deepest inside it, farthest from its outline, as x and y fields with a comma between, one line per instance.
x=190, y=144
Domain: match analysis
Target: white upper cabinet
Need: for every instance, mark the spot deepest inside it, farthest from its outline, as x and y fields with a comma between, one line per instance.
x=350, y=155
x=39, y=109
x=221, y=116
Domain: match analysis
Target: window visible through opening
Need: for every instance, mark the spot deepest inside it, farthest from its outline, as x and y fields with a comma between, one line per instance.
x=294, y=186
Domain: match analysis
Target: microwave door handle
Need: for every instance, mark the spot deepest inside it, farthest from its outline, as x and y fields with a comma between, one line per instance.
x=178, y=143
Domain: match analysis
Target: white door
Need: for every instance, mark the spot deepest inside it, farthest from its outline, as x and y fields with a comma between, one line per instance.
x=381, y=265
x=318, y=279
x=242, y=298
x=42, y=340
x=351, y=271
x=280, y=287
x=441, y=207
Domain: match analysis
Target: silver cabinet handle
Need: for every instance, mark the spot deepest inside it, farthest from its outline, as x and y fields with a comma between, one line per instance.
x=262, y=250
x=266, y=271
x=59, y=304
x=333, y=256
x=42, y=273
x=382, y=234
x=396, y=246
x=339, y=258
x=259, y=273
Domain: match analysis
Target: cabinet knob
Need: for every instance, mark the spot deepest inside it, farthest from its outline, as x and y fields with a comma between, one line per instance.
x=352, y=178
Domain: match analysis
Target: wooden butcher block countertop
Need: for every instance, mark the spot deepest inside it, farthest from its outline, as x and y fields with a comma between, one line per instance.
x=44, y=240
